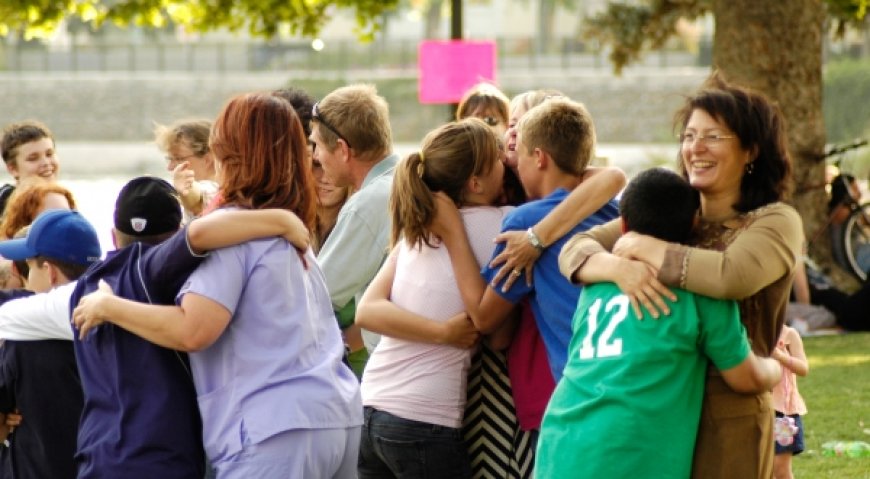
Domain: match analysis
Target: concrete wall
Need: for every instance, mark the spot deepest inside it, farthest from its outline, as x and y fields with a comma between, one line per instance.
x=122, y=107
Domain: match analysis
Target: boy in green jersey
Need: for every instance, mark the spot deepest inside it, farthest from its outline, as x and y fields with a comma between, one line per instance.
x=629, y=401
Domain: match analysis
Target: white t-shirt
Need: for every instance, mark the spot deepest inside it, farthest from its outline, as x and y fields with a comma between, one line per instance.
x=37, y=317
x=419, y=381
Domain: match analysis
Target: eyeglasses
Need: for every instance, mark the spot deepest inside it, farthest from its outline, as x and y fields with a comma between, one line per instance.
x=490, y=120
x=172, y=159
x=706, y=140
x=316, y=116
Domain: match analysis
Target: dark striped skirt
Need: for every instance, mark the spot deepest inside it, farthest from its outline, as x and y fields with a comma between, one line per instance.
x=497, y=447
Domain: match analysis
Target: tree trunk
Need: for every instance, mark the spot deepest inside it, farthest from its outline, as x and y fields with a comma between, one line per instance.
x=546, y=13
x=776, y=48
x=433, y=19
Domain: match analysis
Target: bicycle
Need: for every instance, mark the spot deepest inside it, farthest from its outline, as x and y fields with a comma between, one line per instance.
x=854, y=242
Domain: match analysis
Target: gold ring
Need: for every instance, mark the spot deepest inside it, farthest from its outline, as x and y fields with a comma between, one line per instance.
x=516, y=272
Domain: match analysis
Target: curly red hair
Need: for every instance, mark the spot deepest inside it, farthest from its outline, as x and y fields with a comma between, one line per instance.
x=26, y=203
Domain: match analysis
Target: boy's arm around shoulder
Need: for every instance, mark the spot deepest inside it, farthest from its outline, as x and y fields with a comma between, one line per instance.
x=723, y=339
x=38, y=316
x=753, y=375
x=166, y=266
x=598, y=187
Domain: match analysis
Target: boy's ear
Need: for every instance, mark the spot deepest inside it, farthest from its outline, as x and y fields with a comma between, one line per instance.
x=54, y=275
x=115, y=241
x=12, y=168
x=542, y=158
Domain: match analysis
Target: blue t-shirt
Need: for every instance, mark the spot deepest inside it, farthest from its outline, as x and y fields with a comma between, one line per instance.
x=140, y=418
x=552, y=296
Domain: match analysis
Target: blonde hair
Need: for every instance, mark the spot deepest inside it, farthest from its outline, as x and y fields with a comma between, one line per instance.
x=449, y=157
x=193, y=133
x=361, y=116
x=532, y=98
x=563, y=129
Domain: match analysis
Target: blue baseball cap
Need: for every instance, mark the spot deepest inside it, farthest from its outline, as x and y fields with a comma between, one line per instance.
x=63, y=235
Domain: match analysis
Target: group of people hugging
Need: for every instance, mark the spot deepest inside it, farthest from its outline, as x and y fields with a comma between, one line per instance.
x=301, y=302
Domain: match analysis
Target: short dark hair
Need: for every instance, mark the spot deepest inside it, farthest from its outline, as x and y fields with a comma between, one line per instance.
x=302, y=102
x=17, y=134
x=840, y=190
x=21, y=265
x=760, y=127
x=72, y=271
x=660, y=203
x=125, y=239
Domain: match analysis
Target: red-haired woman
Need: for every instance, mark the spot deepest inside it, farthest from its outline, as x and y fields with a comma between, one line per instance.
x=31, y=199
x=274, y=396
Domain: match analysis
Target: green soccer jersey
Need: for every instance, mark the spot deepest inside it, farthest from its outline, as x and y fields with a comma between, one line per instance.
x=629, y=401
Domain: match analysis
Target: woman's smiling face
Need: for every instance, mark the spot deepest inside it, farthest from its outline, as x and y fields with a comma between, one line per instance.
x=510, y=137
x=712, y=156
x=328, y=194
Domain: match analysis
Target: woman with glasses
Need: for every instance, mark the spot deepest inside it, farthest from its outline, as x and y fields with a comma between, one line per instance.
x=487, y=102
x=733, y=151
x=185, y=144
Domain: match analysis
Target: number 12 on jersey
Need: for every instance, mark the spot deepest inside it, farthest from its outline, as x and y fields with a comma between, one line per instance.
x=606, y=346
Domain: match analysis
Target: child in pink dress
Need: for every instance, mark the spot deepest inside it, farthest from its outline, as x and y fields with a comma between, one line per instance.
x=787, y=401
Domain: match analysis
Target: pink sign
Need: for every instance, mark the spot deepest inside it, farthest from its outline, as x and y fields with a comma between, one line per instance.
x=447, y=69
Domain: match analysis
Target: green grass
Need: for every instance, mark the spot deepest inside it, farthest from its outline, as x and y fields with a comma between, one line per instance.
x=837, y=393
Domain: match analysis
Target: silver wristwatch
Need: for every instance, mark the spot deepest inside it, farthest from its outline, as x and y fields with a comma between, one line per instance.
x=534, y=240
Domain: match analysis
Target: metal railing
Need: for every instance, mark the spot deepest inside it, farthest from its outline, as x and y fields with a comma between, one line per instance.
x=392, y=56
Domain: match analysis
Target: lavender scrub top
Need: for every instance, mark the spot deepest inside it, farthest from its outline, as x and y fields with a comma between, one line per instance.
x=277, y=367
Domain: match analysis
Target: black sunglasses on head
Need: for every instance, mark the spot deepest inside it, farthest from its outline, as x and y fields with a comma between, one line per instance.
x=316, y=116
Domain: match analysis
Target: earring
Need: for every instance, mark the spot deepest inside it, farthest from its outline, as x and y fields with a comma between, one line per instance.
x=750, y=167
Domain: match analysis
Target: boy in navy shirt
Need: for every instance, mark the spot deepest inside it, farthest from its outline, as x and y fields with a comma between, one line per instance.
x=40, y=377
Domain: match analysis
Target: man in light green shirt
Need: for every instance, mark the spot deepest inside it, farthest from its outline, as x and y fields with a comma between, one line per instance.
x=350, y=131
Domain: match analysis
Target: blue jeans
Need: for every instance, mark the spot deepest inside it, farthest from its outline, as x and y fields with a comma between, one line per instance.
x=405, y=449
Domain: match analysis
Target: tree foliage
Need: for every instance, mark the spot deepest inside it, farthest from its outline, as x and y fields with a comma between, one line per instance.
x=770, y=46
x=847, y=12
x=632, y=28
x=40, y=18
